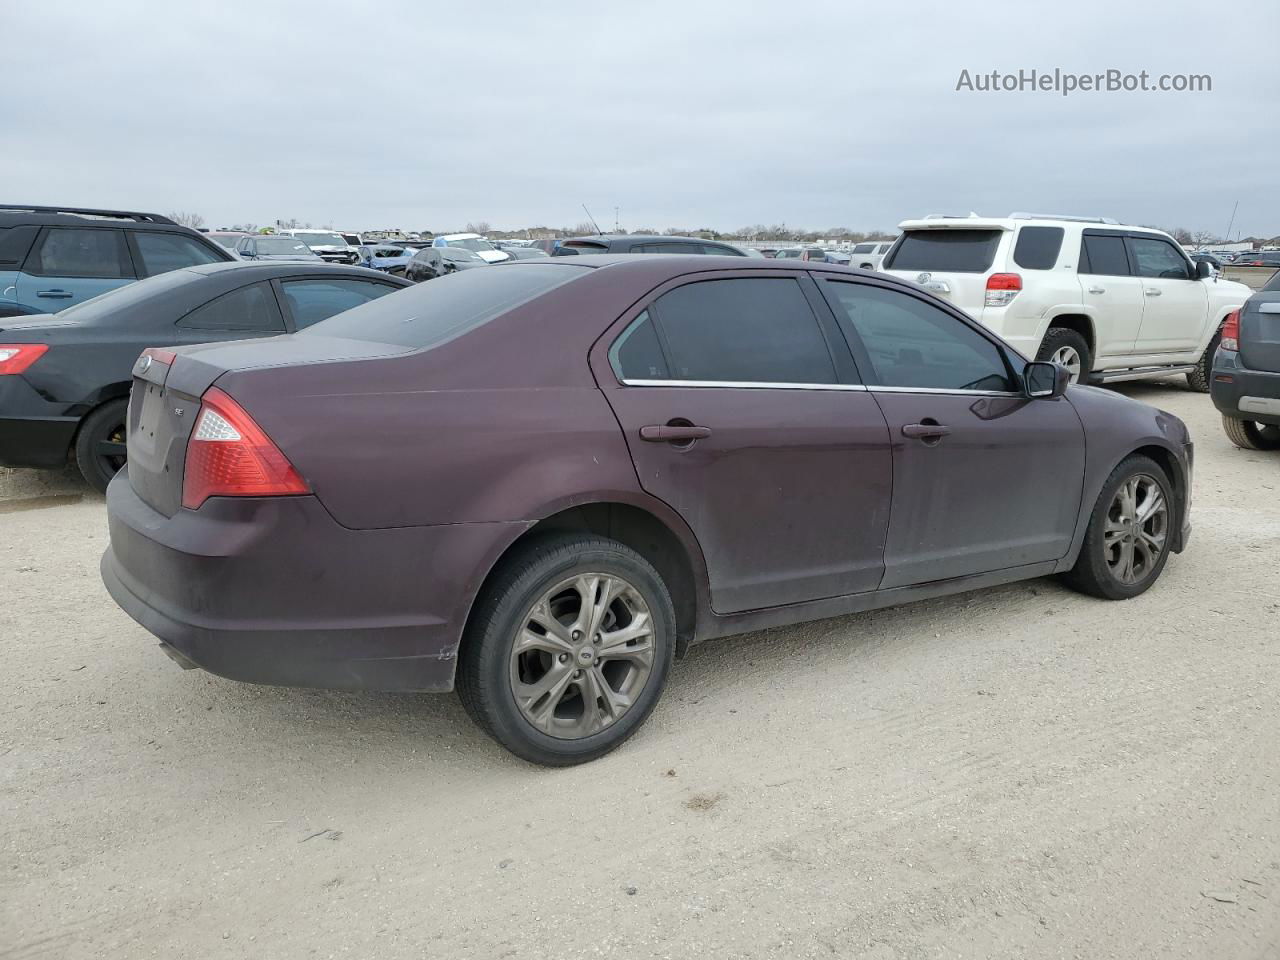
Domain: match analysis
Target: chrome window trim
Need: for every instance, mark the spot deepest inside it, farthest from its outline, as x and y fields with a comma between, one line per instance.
x=763, y=385
x=743, y=384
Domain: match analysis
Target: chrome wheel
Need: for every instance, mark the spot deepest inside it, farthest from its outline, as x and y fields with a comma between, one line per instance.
x=1068, y=357
x=583, y=653
x=1136, y=529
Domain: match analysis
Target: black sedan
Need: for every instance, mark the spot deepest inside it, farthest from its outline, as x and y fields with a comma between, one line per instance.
x=64, y=380
x=431, y=262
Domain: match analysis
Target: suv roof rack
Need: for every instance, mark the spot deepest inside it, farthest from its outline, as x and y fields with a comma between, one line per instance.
x=1022, y=215
x=89, y=212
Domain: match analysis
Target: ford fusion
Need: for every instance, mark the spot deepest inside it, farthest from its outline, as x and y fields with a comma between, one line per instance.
x=538, y=485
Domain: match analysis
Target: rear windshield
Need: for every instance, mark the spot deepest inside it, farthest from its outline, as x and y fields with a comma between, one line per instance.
x=946, y=251
x=431, y=314
x=128, y=296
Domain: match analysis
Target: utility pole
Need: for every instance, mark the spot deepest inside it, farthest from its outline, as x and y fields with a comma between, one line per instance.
x=1233, y=220
x=616, y=227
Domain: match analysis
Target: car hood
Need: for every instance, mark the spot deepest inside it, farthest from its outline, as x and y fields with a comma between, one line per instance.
x=493, y=256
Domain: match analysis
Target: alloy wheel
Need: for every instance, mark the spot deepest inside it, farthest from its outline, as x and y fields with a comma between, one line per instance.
x=1136, y=530
x=1068, y=357
x=111, y=451
x=583, y=653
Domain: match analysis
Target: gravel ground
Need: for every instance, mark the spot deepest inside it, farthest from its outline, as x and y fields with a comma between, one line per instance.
x=1020, y=772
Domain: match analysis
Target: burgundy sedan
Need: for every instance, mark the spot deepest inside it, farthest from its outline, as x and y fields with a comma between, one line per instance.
x=540, y=483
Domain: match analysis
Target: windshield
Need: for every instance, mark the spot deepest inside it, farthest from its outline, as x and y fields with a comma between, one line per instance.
x=472, y=243
x=321, y=239
x=280, y=245
x=463, y=254
x=381, y=252
x=430, y=314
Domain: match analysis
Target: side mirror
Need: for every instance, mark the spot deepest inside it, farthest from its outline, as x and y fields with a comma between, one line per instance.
x=1044, y=380
x=1204, y=270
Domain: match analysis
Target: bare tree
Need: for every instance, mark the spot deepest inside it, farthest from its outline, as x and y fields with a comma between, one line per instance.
x=193, y=220
x=481, y=226
x=1202, y=238
x=584, y=229
x=1181, y=234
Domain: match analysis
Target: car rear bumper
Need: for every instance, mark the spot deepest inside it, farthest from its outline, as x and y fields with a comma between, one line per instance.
x=33, y=431
x=1248, y=394
x=273, y=590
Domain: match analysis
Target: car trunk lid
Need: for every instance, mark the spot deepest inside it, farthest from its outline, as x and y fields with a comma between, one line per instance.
x=165, y=403
x=949, y=259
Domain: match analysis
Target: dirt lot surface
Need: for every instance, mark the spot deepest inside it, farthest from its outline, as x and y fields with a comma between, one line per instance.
x=1020, y=772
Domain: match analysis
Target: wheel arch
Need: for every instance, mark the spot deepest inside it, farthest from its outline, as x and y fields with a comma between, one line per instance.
x=1079, y=319
x=649, y=527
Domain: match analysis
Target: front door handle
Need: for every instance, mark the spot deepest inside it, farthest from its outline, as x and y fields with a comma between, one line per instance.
x=1097, y=289
x=1152, y=292
x=928, y=431
x=55, y=294
x=673, y=433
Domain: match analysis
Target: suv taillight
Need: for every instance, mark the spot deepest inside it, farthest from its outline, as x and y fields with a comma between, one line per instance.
x=1002, y=288
x=17, y=357
x=1231, y=331
x=228, y=455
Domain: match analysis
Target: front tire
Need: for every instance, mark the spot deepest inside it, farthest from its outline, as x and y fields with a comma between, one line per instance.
x=1067, y=347
x=1249, y=435
x=1129, y=535
x=100, y=444
x=1198, y=379
x=568, y=649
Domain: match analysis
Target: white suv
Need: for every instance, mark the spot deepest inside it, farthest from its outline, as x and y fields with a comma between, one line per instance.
x=868, y=255
x=1108, y=302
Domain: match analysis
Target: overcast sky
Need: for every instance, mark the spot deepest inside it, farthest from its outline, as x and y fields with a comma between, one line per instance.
x=429, y=115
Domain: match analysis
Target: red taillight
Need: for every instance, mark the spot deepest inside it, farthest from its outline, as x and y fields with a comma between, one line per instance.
x=17, y=357
x=160, y=355
x=1002, y=288
x=229, y=455
x=1231, y=331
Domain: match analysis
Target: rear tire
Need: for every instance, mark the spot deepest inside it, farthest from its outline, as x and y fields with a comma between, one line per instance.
x=1249, y=435
x=1067, y=347
x=100, y=451
x=568, y=696
x=1198, y=379
x=1117, y=522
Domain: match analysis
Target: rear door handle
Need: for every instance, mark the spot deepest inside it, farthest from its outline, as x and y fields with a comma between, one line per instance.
x=1097, y=289
x=55, y=294
x=667, y=433
x=925, y=431
x=1152, y=292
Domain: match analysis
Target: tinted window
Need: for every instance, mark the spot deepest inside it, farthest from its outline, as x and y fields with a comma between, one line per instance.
x=1273, y=283
x=251, y=309
x=718, y=250
x=749, y=330
x=577, y=247
x=1104, y=255
x=72, y=252
x=1038, y=247
x=863, y=248
x=434, y=313
x=637, y=355
x=950, y=251
x=666, y=248
x=15, y=242
x=914, y=344
x=1158, y=258
x=162, y=252
x=311, y=301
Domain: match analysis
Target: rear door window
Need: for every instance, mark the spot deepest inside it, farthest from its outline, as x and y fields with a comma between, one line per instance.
x=311, y=301
x=637, y=354
x=748, y=330
x=945, y=251
x=162, y=252
x=719, y=250
x=81, y=252
x=913, y=344
x=1104, y=255
x=1038, y=247
x=251, y=309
